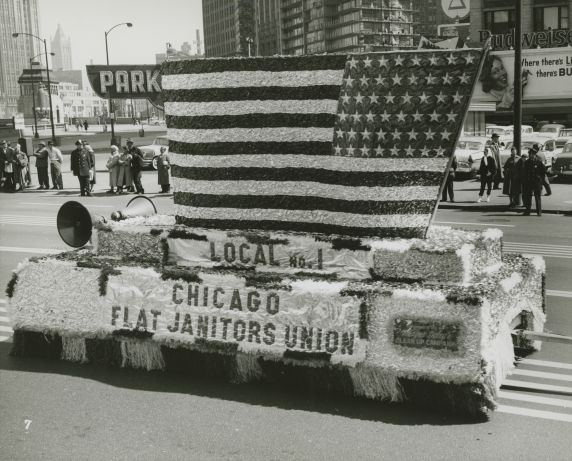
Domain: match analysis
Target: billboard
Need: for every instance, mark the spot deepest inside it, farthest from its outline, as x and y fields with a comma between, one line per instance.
x=546, y=74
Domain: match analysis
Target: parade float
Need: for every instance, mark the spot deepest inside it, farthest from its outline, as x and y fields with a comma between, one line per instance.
x=301, y=249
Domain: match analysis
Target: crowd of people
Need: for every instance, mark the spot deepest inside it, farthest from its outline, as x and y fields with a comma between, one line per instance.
x=124, y=168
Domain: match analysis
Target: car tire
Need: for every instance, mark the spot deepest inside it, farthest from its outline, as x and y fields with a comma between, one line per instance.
x=154, y=163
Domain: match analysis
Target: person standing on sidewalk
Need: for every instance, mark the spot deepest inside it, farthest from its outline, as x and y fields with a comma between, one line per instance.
x=495, y=151
x=113, y=167
x=534, y=173
x=487, y=172
x=542, y=157
x=448, y=187
x=21, y=168
x=9, y=163
x=136, y=165
x=85, y=169
x=124, y=175
x=509, y=186
x=42, y=165
x=56, y=161
x=74, y=160
x=163, y=166
x=92, y=178
x=3, y=155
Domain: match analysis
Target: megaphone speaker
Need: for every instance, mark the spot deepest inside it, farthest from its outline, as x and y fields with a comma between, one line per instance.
x=137, y=206
x=75, y=224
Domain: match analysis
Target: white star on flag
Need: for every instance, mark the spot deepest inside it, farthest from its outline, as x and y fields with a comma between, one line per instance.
x=425, y=152
x=396, y=79
x=430, y=79
x=412, y=134
x=394, y=152
x=433, y=60
x=359, y=99
x=399, y=60
x=465, y=78
x=434, y=116
x=389, y=97
x=385, y=116
x=352, y=134
x=445, y=134
x=383, y=62
x=396, y=134
x=451, y=117
x=451, y=59
x=406, y=98
x=457, y=98
x=364, y=81
x=367, y=62
x=416, y=60
x=441, y=97
x=447, y=79
x=429, y=134
x=400, y=116
x=373, y=99
x=409, y=152
x=417, y=117
x=423, y=98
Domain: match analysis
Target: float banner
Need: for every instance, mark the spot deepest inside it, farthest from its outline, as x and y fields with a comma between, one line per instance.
x=311, y=317
x=127, y=82
x=355, y=146
x=546, y=74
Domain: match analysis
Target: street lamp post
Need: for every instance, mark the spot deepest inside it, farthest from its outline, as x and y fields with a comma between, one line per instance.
x=32, y=63
x=16, y=34
x=110, y=103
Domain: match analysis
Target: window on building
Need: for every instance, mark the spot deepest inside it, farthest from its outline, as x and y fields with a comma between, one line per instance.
x=550, y=17
x=499, y=21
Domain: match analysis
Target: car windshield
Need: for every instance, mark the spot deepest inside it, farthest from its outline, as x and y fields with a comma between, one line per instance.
x=549, y=129
x=470, y=145
x=566, y=132
x=161, y=141
x=567, y=148
x=560, y=144
x=498, y=131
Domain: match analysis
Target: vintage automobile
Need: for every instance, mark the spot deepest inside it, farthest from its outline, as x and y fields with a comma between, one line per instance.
x=152, y=151
x=551, y=129
x=524, y=129
x=469, y=151
x=560, y=142
x=566, y=132
x=563, y=164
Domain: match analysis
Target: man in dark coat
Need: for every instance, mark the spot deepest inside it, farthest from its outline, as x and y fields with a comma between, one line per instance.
x=487, y=172
x=448, y=187
x=42, y=165
x=136, y=165
x=542, y=157
x=534, y=173
x=84, y=166
x=74, y=160
x=3, y=156
x=495, y=152
x=510, y=187
x=8, y=158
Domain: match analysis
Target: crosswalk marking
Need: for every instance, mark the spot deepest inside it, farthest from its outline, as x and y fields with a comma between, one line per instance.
x=537, y=386
x=546, y=363
x=30, y=250
x=534, y=413
x=509, y=395
x=559, y=293
x=541, y=374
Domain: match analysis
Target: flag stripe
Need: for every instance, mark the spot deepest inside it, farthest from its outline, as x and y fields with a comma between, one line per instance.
x=254, y=148
x=311, y=227
x=245, y=79
x=225, y=107
x=289, y=202
x=307, y=216
x=292, y=63
x=252, y=121
x=310, y=189
x=346, y=178
x=252, y=134
x=310, y=92
x=308, y=161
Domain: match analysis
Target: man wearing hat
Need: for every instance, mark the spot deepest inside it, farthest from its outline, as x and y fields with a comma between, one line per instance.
x=540, y=154
x=56, y=160
x=74, y=160
x=3, y=151
x=534, y=173
x=136, y=165
x=7, y=161
x=495, y=153
x=42, y=165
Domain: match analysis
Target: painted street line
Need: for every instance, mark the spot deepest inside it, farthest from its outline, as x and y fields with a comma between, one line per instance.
x=6, y=329
x=475, y=224
x=60, y=204
x=534, y=413
x=537, y=386
x=542, y=374
x=509, y=395
x=44, y=251
x=559, y=293
x=545, y=363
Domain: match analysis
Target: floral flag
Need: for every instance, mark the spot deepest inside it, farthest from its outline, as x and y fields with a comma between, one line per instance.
x=356, y=146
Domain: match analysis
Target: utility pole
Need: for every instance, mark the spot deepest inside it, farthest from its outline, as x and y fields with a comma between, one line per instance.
x=517, y=135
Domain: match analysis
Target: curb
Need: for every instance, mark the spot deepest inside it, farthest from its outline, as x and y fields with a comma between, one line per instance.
x=482, y=208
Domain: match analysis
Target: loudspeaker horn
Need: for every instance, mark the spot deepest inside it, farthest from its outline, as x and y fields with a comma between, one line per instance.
x=75, y=223
x=137, y=206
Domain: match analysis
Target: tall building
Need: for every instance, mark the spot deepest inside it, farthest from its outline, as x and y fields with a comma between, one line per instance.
x=293, y=27
x=228, y=27
x=61, y=46
x=15, y=53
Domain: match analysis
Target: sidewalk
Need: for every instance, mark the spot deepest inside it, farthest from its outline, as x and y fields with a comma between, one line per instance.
x=467, y=193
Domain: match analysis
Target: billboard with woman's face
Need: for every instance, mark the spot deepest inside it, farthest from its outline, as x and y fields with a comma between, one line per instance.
x=546, y=74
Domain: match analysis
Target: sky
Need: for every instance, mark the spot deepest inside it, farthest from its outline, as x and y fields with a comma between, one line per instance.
x=155, y=22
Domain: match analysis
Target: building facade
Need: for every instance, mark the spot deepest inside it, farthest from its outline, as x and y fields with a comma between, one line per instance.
x=15, y=53
x=228, y=27
x=61, y=46
x=546, y=57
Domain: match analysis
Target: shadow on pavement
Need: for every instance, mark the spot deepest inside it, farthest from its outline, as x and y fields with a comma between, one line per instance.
x=252, y=393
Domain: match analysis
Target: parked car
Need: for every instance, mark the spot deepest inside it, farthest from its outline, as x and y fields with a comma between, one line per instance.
x=563, y=164
x=547, y=146
x=551, y=129
x=560, y=142
x=566, y=132
x=156, y=121
x=152, y=151
x=469, y=152
x=524, y=129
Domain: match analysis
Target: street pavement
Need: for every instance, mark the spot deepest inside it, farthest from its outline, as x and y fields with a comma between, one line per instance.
x=58, y=410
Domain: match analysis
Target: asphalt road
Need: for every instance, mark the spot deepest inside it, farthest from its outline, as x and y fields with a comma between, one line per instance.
x=60, y=411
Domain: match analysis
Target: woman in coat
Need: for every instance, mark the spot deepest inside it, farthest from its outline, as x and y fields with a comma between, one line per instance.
x=21, y=168
x=510, y=186
x=163, y=166
x=113, y=167
x=124, y=176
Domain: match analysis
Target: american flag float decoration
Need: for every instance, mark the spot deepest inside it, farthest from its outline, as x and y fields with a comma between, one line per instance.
x=356, y=146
